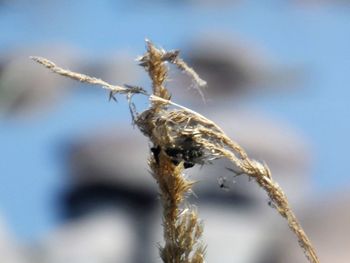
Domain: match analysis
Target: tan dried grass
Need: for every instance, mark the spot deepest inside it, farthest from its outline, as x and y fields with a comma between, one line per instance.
x=180, y=137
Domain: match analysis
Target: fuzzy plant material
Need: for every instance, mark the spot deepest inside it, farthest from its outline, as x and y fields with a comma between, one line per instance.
x=182, y=138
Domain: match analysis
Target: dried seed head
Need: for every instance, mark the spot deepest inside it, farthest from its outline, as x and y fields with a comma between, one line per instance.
x=182, y=136
x=186, y=137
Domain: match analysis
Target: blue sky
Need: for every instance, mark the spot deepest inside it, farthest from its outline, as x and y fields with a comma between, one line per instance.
x=32, y=173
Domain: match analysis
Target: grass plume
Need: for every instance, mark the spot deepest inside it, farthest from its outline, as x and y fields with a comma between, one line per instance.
x=180, y=139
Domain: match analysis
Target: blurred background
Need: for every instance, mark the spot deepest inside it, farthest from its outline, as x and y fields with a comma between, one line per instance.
x=74, y=183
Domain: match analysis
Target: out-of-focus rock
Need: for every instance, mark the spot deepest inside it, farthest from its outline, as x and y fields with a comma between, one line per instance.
x=10, y=250
x=326, y=221
x=117, y=156
x=103, y=238
x=232, y=67
x=27, y=88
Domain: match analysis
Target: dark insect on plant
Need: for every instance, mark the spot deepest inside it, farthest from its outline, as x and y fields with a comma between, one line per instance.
x=186, y=150
x=271, y=204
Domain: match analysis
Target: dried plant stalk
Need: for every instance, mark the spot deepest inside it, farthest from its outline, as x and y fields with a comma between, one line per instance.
x=86, y=79
x=182, y=138
x=182, y=229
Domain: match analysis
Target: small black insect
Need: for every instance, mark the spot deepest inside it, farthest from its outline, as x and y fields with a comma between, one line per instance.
x=222, y=182
x=187, y=151
x=271, y=203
